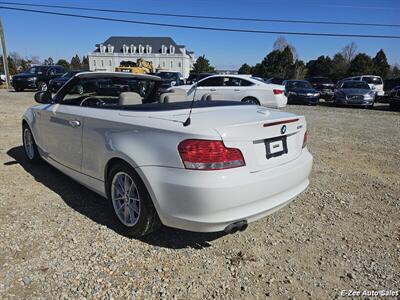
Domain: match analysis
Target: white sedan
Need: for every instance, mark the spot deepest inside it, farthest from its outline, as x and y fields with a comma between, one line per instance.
x=218, y=168
x=237, y=88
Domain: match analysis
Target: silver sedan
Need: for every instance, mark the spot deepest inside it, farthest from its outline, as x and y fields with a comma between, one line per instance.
x=356, y=93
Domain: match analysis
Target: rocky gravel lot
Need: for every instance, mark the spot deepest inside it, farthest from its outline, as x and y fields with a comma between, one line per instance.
x=342, y=233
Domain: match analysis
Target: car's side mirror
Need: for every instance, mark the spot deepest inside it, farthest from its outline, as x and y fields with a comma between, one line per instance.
x=43, y=97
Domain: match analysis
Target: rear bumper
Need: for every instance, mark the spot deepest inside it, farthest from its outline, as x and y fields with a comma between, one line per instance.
x=279, y=101
x=208, y=201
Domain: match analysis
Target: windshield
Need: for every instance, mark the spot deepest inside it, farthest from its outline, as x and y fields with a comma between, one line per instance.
x=298, y=84
x=372, y=80
x=355, y=85
x=36, y=70
x=167, y=75
x=70, y=74
x=321, y=80
x=108, y=90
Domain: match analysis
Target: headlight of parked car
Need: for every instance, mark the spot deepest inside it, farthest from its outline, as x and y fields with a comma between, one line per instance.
x=292, y=93
x=32, y=78
x=370, y=95
x=316, y=95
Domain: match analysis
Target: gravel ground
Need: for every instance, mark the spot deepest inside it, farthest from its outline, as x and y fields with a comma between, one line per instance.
x=342, y=233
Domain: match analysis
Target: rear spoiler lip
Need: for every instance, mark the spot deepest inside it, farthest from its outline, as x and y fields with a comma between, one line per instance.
x=281, y=122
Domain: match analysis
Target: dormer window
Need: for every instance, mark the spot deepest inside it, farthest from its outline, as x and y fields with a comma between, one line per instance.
x=110, y=48
x=163, y=49
x=125, y=49
x=141, y=49
x=133, y=49
x=148, y=49
x=171, y=49
x=102, y=48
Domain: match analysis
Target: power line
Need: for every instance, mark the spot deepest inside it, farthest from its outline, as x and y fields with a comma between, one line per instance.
x=202, y=17
x=202, y=27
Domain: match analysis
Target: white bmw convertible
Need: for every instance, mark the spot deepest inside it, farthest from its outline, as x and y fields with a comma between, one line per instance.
x=202, y=166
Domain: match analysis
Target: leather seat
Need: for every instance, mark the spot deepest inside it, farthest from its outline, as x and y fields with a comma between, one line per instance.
x=212, y=97
x=129, y=98
x=174, y=95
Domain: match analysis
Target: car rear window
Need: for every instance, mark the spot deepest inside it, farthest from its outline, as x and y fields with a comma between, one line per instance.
x=372, y=80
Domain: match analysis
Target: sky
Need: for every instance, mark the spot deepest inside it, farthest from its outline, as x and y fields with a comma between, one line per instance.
x=32, y=34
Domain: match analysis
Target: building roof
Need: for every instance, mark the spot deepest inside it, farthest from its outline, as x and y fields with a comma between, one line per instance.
x=154, y=42
x=102, y=74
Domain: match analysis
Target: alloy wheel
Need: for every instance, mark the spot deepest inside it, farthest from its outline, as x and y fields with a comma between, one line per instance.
x=28, y=144
x=125, y=199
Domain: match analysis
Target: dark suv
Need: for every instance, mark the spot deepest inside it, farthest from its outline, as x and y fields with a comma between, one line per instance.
x=324, y=86
x=36, y=77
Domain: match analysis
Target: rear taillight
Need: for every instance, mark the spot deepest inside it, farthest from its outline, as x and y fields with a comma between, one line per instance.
x=305, y=139
x=277, y=92
x=209, y=155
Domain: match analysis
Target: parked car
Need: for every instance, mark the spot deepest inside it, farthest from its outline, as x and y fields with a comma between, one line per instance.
x=374, y=82
x=170, y=79
x=394, y=98
x=389, y=85
x=36, y=78
x=233, y=163
x=56, y=83
x=353, y=92
x=238, y=88
x=275, y=80
x=301, y=92
x=2, y=78
x=323, y=85
x=194, y=77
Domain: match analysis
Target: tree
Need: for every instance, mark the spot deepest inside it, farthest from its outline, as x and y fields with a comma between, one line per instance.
x=85, y=63
x=202, y=65
x=75, y=63
x=245, y=69
x=299, y=69
x=25, y=65
x=361, y=64
x=276, y=64
x=281, y=43
x=395, y=71
x=64, y=63
x=49, y=61
x=349, y=52
x=339, y=67
x=381, y=66
x=12, y=67
x=34, y=60
x=320, y=67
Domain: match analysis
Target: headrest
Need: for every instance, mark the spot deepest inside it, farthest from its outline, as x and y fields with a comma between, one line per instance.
x=129, y=98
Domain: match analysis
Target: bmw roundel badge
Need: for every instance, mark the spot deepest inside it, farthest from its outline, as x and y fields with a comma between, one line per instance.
x=283, y=129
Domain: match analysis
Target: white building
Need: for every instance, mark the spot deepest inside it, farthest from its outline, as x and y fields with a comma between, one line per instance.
x=163, y=52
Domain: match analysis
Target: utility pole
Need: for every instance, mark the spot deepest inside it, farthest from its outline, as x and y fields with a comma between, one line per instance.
x=5, y=60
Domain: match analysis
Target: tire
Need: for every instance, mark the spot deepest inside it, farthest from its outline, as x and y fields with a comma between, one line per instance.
x=251, y=100
x=42, y=86
x=30, y=147
x=18, y=89
x=130, y=201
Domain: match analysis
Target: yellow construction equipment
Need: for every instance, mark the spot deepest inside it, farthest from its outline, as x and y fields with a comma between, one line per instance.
x=140, y=67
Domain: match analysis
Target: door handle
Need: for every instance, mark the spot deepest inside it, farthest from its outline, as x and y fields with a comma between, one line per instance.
x=212, y=90
x=74, y=123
